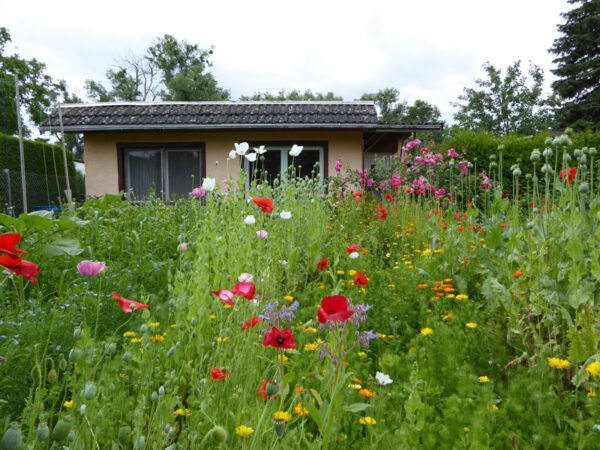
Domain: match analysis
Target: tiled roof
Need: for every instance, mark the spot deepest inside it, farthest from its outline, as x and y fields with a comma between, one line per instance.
x=212, y=115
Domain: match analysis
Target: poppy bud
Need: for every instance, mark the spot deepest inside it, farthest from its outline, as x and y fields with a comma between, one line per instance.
x=217, y=434
x=89, y=392
x=110, y=348
x=62, y=364
x=82, y=410
x=12, y=438
x=52, y=376
x=154, y=396
x=77, y=333
x=36, y=373
x=194, y=321
x=140, y=443
x=42, y=433
x=61, y=429
x=75, y=354
x=161, y=391
x=111, y=387
x=127, y=356
x=584, y=188
x=171, y=352
x=279, y=426
x=124, y=434
x=71, y=436
x=272, y=389
x=143, y=329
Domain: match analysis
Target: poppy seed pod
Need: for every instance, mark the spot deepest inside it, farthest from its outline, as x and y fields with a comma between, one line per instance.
x=492, y=157
x=127, y=356
x=140, y=443
x=535, y=155
x=62, y=429
x=272, y=389
x=592, y=151
x=547, y=153
x=154, y=396
x=217, y=434
x=12, y=438
x=89, y=392
x=584, y=188
x=124, y=434
x=548, y=141
x=43, y=432
x=279, y=426
x=143, y=329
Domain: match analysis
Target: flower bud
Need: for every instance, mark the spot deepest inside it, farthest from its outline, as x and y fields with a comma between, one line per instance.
x=71, y=436
x=127, y=356
x=279, y=426
x=272, y=389
x=82, y=410
x=124, y=434
x=217, y=434
x=171, y=352
x=61, y=429
x=75, y=354
x=89, y=392
x=36, y=373
x=62, y=363
x=77, y=333
x=52, y=376
x=584, y=188
x=111, y=348
x=12, y=438
x=161, y=391
x=154, y=396
x=140, y=443
x=194, y=321
x=143, y=329
x=42, y=433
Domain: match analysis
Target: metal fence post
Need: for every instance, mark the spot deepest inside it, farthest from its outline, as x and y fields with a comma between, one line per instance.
x=9, y=188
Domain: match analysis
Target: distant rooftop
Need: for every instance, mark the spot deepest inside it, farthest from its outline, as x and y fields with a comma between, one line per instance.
x=83, y=117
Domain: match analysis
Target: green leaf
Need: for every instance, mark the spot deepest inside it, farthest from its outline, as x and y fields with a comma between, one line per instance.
x=62, y=246
x=356, y=407
x=314, y=413
x=37, y=220
x=317, y=397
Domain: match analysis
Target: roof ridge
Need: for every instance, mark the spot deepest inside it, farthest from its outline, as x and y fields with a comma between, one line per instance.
x=275, y=102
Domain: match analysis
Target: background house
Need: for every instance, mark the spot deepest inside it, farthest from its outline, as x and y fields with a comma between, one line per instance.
x=171, y=146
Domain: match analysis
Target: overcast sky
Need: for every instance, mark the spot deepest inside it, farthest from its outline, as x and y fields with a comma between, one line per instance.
x=427, y=49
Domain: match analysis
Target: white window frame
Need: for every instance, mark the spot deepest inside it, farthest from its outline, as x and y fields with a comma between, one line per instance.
x=286, y=159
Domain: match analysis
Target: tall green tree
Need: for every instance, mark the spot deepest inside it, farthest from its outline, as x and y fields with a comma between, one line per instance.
x=509, y=104
x=170, y=70
x=578, y=65
x=294, y=95
x=392, y=109
x=38, y=91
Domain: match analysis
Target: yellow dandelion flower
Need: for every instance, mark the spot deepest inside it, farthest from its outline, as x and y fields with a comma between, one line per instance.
x=173, y=325
x=591, y=393
x=222, y=339
x=340, y=272
x=426, y=252
x=282, y=357
x=426, y=332
x=154, y=324
x=352, y=272
x=226, y=306
x=288, y=298
x=484, y=379
x=594, y=368
x=439, y=250
x=369, y=421
x=68, y=404
x=180, y=412
x=136, y=340
x=361, y=354
x=494, y=407
x=212, y=317
x=282, y=416
x=558, y=363
x=310, y=347
x=471, y=325
x=244, y=431
x=129, y=334
x=157, y=338
x=391, y=285
x=390, y=336
x=310, y=330
x=461, y=297
x=380, y=336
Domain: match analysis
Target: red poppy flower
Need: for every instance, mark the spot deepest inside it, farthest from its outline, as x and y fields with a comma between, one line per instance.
x=503, y=225
x=357, y=194
x=279, y=338
x=360, y=279
x=262, y=390
x=568, y=174
x=8, y=242
x=217, y=373
x=225, y=295
x=128, y=305
x=322, y=264
x=265, y=204
x=389, y=197
x=15, y=264
x=383, y=214
x=245, y=289
x=352, y=248
x=251, y=323
x=334, y=308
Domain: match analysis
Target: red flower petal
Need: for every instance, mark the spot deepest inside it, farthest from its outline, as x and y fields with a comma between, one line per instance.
x=251, y=323
x=225, y=295
x=262, y=390
x=360, y=279
x=128, y=305
x=279, y=338
x=322, y=264
x=265, y=204
x=217, y=373
x=21, y=267
x=245, y=289
x=334, y=308
x=352, y=248
x=8, y=242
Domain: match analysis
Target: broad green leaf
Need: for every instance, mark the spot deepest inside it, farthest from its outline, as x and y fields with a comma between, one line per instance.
x=314, y=413
x=356, y=407
x=62, y=246
x=35, y=221
x=317, y=397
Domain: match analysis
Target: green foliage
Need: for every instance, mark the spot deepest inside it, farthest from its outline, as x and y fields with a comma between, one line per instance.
x=170, y=70
x=294, y=95
x=503, y=105
x=391, y=109
x=577, y=52
x=40, y=157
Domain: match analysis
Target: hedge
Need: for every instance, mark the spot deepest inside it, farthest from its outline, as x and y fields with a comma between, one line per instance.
x=35, y=152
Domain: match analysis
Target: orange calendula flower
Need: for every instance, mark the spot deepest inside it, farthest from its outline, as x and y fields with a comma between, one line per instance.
x=367, y=393
x=517, y=274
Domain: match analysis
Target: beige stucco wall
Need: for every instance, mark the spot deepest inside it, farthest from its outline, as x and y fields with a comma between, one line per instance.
x=100, y=151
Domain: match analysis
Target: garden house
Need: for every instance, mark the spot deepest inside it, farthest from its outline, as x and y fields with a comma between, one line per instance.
x=171, y=146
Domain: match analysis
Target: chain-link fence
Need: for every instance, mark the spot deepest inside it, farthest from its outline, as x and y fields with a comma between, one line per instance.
x=43, y=191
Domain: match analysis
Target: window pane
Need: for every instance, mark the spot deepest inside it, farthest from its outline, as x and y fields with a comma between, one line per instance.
x=305, y=163
x=270, y=167
x=145, y=172
x=184, y=172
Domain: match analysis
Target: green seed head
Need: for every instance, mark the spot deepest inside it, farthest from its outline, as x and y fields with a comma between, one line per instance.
x=89, y=392
x=12, y=438
x=43, y=432
x=218, y=434
x=124, y=434
x=62, y=429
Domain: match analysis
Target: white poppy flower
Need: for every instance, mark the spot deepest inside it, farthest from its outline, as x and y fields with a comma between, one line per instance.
x=285, y=214
x=241, y=148
x=354, y=255
x=246, y=277
x=232, y=154
x=260, y=150
x=383, y=379
x=251, y=157
x=208, y=184
x=296, y=150
x=250, y=220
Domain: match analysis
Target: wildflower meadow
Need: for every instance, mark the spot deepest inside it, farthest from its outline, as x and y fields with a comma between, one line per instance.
x=429, y=301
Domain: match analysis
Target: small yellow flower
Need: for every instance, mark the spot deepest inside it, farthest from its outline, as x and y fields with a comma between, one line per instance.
x=494, y=407
x=282, y=357
x=369, y=421
x=484, y=379
x=439, y=250
x=361, y=354
x=300, y=410
x=136, y=340
x=380, y=336
x=426, y=252
x=310, y=347
x=222, y=339
x=288, y=298
x=68, y=404
x=157, y=338
x=594, y=368
x=154, y=324
x=591, y=393
x=448, y=280
x=558, y=363
x=181, y=412
x=352, y=272
x=340, y=272
x=173, y=325
x=212, y=317
x=466, y=428
x=426, y=332
x=282, y=415
x=356, y=387
x=390, y=336
x=448, y=316
x=461, y=297
x=129, y=334
x=471, y=325
x=226, y=306
x=391, y=285
x=244, y=431
x=310, y=330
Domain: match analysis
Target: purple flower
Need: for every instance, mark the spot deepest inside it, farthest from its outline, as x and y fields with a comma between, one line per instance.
x=183, y=246
x=262, y=234
x=91, y=268
x=198, y=192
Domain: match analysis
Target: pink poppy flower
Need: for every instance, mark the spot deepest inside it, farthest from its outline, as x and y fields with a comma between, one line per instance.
x=225, y=295
x=245, y=289
x=90, y=268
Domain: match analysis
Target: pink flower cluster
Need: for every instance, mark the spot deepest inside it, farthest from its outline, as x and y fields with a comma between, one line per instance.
x=412, y=144
x=364, y=179
x=338, y=165
x=429, y=159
